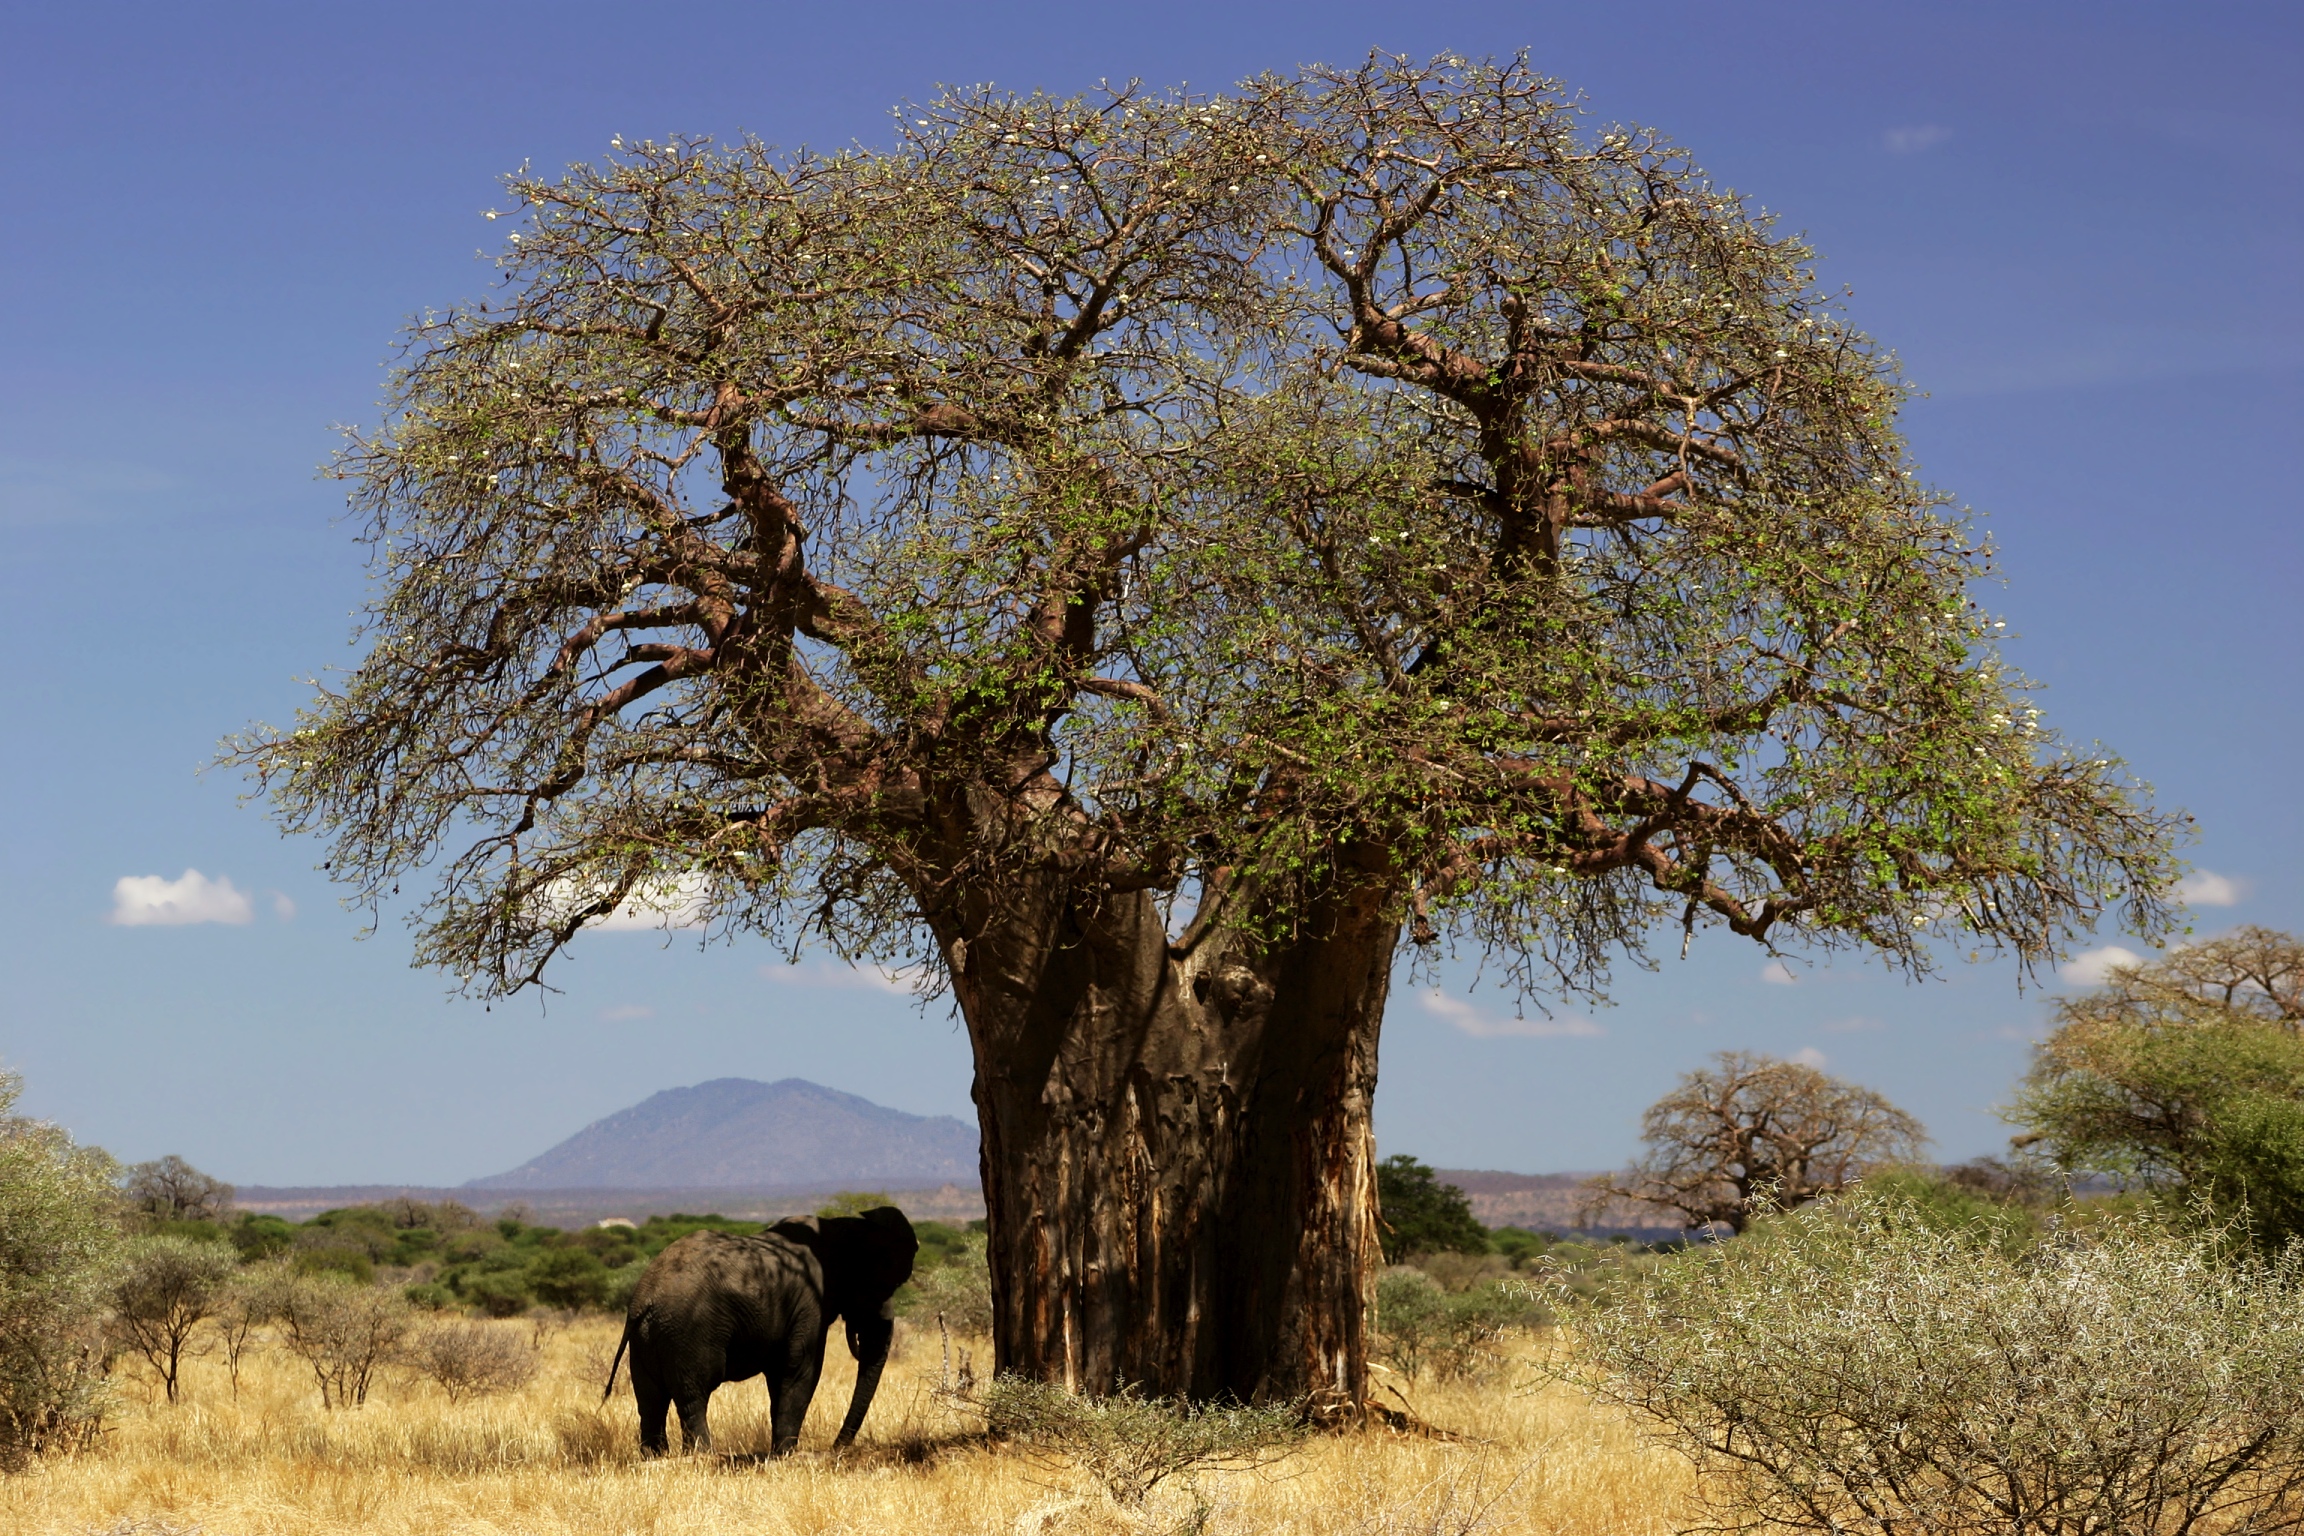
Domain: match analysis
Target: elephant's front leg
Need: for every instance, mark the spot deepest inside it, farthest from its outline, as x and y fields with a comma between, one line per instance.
x=791, y=1389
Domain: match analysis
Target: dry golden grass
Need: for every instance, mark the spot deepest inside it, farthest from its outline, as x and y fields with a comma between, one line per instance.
x=550, y=1459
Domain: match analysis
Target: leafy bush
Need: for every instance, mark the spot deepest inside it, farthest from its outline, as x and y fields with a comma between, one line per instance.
x=572, y=1278
x=1460, y=1336
x=1518, y=1245
x=58, y=1243
x=168, y=1287
x=1856, y=1366
x=497, y=1293
x=1938, y=1200
x=1419, y=1214
x=959, y=1290
x=1127, y=1444
x=258, y=1237
x=941, y=1242
x=329, y=1259
x=474, y=1359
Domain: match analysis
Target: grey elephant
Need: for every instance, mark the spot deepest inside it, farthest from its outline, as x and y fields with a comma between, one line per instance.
x=712, y=1308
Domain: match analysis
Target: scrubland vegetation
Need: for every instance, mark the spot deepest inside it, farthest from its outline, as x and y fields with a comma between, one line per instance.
x=1850, y=1366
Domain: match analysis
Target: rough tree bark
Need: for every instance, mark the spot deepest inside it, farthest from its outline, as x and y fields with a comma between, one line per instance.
x=1178, y=1159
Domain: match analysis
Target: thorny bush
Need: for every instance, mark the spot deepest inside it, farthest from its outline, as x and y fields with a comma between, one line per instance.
x=1129, y=1444
x=1852, y=1366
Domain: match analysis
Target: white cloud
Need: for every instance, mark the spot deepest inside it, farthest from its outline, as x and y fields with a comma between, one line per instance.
x=2093, y=967
x=1480, y=1026
x=840, y=977
x=147, y=901
x=1809, y=1056
x=674, y=903
x=1777, y=974
x=1915, y=137
x=2206, y=888
x=282, y=907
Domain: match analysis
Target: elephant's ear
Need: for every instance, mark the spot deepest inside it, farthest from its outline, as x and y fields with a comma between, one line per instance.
x=890, y=1246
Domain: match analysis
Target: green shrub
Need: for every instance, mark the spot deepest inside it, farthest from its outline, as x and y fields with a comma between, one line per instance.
x=621, y=1284
x=59, y=1242
x=1518, y=1245
x=497, y=1293
x=1419, y=1214
x=571, y=1278
x=1459, y=1336
x=1944, y=1204
x=940, y=1243
x=1859, y=1366
x=350, y=1263
x=959, y=1290
x=1408, y=1308
x=258, y=1237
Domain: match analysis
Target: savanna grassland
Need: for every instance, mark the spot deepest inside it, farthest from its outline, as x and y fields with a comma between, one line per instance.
x=549, y=1458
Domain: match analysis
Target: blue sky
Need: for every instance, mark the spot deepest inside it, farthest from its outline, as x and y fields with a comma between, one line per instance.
x=2080, y=224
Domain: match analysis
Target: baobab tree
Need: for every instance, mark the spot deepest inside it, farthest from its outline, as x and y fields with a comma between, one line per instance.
x=1751, y=1130
x=1145, y=560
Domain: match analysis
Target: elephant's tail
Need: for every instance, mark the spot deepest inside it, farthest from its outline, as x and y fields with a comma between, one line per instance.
x=609, y=1390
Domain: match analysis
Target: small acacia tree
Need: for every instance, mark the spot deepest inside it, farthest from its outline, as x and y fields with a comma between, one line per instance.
x=2185, y=1073
x=343, y=1330
x=1749, y=1128
x=168, y=1287
x=1139, y=557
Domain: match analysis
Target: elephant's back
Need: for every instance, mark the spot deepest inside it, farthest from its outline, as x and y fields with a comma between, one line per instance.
x=717, y=1272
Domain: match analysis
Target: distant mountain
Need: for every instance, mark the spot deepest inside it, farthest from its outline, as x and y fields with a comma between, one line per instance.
x=733, y=1133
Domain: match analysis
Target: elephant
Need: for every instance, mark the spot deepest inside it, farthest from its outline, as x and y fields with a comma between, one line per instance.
x=712, y=1308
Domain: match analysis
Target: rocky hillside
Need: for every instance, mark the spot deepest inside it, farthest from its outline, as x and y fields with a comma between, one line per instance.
x=733, y=1133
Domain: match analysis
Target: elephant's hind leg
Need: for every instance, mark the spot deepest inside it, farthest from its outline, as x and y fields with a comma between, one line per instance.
x=654, y=1402
x=789, y=1393
x=694, y=1433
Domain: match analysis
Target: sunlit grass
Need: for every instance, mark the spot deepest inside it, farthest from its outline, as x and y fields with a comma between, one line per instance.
x=549, y=1458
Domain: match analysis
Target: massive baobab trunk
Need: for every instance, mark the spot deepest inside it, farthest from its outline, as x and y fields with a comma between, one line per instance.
x=1178, y=1163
